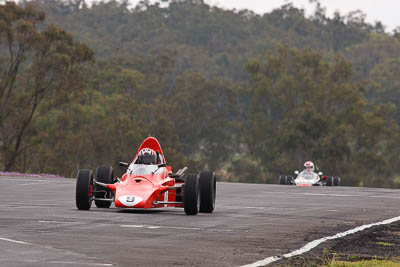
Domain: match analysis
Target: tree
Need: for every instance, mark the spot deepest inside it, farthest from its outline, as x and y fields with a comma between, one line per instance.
x=203, y=112
x=303, y=107
x=371, y=53
x=39, y=71
x=385, y=84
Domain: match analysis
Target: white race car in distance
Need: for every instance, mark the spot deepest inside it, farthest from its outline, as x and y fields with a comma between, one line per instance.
x=309, y=178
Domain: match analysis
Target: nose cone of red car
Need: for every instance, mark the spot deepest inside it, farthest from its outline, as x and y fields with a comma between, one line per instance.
x=134, y=193
x=129, y=201
x=304, y=184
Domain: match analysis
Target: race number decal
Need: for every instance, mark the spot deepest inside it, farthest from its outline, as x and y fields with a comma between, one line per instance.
x=130, y=201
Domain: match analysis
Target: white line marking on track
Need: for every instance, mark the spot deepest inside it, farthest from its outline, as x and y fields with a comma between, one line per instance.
x=14, y=241
x=58, y=262
x=329, y=195
x=317, y=242
x=82, y=263
x=175, y=227
x=26, y=205
x=36, y=180
x=35, y=183
x=158, y=227
x=14, y=260
x=343, y=195
x=384, y=197
x=58, y=222
x=313, y=194
x=274, y=192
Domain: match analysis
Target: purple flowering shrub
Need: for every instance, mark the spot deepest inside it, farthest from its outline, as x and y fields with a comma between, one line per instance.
x=46, y=175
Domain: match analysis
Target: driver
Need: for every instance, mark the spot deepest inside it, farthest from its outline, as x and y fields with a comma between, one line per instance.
x=309, y=166
x=147, y=156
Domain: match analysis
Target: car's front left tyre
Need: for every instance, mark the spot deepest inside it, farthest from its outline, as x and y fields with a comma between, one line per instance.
x=84, y=190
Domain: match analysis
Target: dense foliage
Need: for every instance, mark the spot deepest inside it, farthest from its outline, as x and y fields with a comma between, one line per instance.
x=248, y=95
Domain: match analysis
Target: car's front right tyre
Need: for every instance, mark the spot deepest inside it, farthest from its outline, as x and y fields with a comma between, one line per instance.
x=207, y=183
x=191, y=196
x=84, y=190
x=329, y=181
x=105, y=175
x=282, y=179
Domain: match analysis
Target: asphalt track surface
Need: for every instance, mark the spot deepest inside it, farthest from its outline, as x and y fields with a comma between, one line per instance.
x=40, y=226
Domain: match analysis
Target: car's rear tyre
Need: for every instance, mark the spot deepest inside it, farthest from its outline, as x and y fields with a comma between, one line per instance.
x=336, y=181
x=191, y=196
x=208, y=186
x=84, y=190
x=329, y=181
x=105, y=175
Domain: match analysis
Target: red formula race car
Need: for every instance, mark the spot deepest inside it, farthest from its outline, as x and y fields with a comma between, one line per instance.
x=147, y=183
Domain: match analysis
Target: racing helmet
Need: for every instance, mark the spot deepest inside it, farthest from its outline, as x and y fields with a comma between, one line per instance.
x=147, y=151
x=147, y=156
x=309, y=166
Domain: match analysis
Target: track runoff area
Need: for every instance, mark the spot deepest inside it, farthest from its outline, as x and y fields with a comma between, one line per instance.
x=253, y=225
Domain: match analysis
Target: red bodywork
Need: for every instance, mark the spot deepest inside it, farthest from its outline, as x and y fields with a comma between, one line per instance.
x=145, y=190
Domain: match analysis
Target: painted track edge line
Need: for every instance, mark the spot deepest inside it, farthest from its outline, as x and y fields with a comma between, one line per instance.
x=309, y=246
x=14, y=241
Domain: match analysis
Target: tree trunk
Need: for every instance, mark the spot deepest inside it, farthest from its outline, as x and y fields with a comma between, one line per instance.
x=10, y=161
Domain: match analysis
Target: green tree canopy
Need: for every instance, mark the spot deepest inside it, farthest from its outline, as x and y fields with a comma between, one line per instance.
x=40, y=69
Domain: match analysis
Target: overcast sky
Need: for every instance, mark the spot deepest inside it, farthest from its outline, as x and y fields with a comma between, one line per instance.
x=386, y=11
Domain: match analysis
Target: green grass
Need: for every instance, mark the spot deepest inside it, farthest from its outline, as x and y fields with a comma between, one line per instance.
x=385, y=244
x=396, y=180
x=366, y=263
